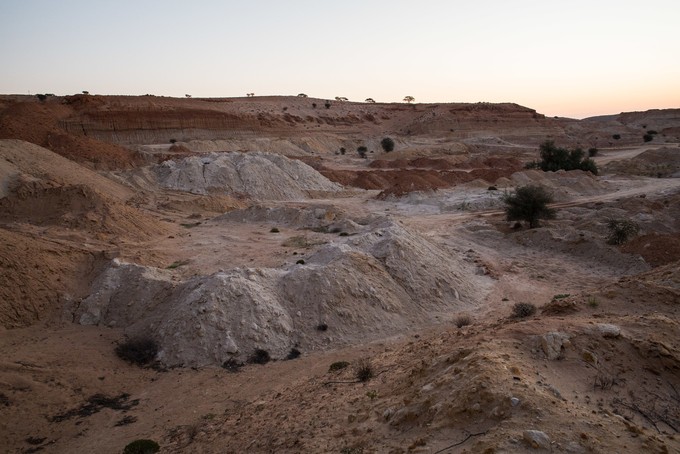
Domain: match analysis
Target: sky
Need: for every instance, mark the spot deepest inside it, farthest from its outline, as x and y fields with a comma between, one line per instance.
x=563, y=58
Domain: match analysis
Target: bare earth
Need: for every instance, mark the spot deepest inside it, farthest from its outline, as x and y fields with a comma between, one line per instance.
x=261, y=234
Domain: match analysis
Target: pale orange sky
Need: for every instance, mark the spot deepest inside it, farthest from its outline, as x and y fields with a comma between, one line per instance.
x=576, y=58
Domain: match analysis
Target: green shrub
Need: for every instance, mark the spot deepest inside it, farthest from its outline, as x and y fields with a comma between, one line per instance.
x=620, y=230
x=387, y=144
x=554, y=158
x=647, y=137
x=592, y=152
x=142, y=447
x=523, y=310
x=362, y=151
x=140, y=350
x=528, y=203
x=274, y=230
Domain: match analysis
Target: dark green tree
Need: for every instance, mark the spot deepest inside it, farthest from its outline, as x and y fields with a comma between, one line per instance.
x=530, y=204
x=387, y=144
x=554, y=158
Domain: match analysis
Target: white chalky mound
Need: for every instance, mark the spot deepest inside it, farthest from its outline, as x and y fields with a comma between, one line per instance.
x=260, y=176
x=363, y=287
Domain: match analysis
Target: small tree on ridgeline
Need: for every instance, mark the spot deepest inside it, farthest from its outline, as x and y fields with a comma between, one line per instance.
x=528, y=203
x=409, y=99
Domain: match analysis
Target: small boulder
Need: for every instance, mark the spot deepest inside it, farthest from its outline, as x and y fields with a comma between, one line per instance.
x=537, y=439
x=553, y=343
x=608, y=330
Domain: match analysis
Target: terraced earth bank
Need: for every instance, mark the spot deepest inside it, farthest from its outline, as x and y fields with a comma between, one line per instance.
x=270, y=263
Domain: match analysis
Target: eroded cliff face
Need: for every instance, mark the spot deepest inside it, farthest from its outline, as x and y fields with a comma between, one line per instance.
x=106, y=132
x=128, y=127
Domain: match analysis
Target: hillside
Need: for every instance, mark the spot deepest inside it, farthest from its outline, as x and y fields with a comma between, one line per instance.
x=232, y=231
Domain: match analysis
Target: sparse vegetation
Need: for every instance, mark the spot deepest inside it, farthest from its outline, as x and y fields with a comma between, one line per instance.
x=409, y=99
x=140, y=350
x=338, y=365
x=560, y=296
x=232, y=365
x=648, y=137
x=97, y=403
x=274, y=230
x=528, y=203
x=343, y=151
x=293, y=353
x=370, y=100
x=362, y=150
x=322, y=327
x=616, y=136
x=300, y=262
x=621, y=230
x=142, y=446
x=176, y=264
x=593, y=302
x=462, y=320
x=302, y=95
x=41, y=97
x=327, y=105
x=387, y=144
x=363, y=370
x=259, y=356
x=523, y=310
x=592, y=152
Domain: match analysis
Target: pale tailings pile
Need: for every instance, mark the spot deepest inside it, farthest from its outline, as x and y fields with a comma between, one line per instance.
x=361, y=287
x=260, y=176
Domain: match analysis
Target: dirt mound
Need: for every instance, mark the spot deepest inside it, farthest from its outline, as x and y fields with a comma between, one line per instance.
x=303, y=217
x=39, y=276
x=74, y=207
x=657, y=249
x=562, y=184
x=376, y=283
x=17, y=156
x=261, y=176
x=661, y=162
x=398, y=177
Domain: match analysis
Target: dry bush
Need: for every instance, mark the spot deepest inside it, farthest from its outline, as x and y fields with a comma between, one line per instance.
x=523, y=310
x=363, y=370
x=463, y=320
x=140, y=350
